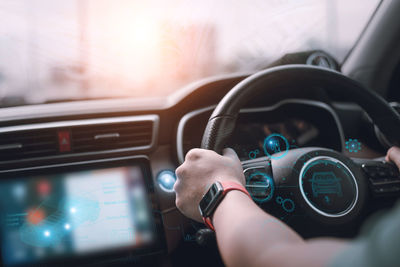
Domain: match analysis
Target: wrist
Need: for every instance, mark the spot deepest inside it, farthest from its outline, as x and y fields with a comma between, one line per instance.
x=215, y=195
x=230, y=179
x=233, y=202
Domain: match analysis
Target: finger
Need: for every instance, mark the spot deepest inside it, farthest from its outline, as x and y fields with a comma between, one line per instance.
x=393, y=155
x=230, y=153
x=178, y=188
x=180, y=172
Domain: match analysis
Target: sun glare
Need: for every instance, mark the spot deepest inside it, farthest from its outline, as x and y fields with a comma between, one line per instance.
x=145, y=34
x=135, y=48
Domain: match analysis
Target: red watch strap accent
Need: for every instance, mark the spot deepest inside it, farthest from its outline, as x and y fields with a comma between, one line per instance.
x=227, y=186
x=208, y=223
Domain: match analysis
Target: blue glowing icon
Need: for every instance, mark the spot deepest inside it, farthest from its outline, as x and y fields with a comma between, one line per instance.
x=287, y=204
x=353, y=145
x=325, y=183
x=166, y=180
x=274, y=146
x=253, y=154
x=276, y=143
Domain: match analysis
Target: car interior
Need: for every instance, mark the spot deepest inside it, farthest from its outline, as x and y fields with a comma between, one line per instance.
x=87, y=180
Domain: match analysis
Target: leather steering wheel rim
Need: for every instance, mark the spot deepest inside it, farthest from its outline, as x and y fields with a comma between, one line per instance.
x=223, y=120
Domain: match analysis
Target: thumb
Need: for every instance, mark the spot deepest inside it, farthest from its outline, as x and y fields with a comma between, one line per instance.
x=230, y=153
x=393, y=155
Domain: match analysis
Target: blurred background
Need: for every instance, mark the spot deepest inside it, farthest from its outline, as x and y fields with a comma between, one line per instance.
x=59, y=50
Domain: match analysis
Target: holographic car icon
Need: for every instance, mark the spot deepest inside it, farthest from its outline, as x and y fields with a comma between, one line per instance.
x=323, y=183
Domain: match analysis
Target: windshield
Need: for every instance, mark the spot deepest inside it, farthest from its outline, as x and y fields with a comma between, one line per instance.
x=84, y=49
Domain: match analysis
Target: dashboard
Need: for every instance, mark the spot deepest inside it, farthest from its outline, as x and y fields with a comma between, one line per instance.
x=91, y=182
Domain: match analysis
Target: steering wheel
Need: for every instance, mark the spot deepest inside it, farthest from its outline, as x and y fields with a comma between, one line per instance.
x=314, y=185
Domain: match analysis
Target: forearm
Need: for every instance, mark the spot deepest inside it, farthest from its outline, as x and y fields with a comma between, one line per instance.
x=245, y=232
x=247, y=236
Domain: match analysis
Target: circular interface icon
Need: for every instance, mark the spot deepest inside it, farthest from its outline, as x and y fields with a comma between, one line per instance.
x=260, y=186
x=166, y=180
x=274, y=144
x=328, y=186
x=287, y=204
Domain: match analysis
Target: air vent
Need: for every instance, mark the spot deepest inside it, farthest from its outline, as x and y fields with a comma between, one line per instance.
x=69, y=138
x=111, y=136
x=27, y=144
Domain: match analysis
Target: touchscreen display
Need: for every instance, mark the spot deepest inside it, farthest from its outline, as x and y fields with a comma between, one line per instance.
x=72, y=214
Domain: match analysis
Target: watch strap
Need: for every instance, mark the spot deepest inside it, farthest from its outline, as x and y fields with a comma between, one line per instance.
x=227, y=186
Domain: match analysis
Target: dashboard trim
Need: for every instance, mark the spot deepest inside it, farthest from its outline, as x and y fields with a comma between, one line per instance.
x=88, y=122
x=181, y=127
x=76, y=163
x=128, y=104
x=83, y=122
x=190, y=115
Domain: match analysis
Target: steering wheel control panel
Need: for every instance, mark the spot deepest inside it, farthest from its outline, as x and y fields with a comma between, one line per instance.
x=266, y=192
x=259, y=183
x=308, y=188
x=384, y=178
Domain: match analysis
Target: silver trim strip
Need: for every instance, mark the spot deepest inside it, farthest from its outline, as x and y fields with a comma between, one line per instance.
x=254, y=167
x=335, y=215
x=11, y=146
x=190, y=115
x=87, y=122
x=106, y=136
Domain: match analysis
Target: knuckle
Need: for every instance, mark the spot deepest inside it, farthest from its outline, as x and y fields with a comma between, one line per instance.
x=193, y=154
x=180, y=172
x=393, y=152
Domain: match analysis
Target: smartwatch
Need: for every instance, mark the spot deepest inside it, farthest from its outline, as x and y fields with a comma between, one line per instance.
x=214, y=196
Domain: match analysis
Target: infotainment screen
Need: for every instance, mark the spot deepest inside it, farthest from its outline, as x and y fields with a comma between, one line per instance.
x=59, y=215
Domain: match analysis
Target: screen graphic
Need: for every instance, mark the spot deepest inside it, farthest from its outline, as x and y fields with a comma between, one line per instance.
x=49, y=217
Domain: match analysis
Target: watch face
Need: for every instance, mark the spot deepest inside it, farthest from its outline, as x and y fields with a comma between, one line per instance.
x=210, y=199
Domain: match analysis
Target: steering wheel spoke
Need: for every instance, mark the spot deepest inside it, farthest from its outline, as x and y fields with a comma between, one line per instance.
x=259, y=180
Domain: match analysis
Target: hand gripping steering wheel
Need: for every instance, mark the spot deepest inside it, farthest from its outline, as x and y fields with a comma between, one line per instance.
x=315, y=185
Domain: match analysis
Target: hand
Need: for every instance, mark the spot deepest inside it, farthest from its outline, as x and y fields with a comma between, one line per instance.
x=393, y=155
x=199, y=171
